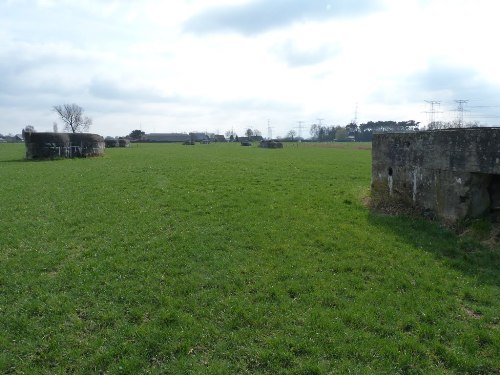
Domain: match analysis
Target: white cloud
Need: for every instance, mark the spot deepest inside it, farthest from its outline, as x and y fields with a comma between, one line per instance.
x=173, y=66
x=258, y=16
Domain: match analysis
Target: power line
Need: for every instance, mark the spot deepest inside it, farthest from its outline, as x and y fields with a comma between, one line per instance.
x=300, y=127
x=269, y=130
x=433, y=110
x=460, y=110
x=485, y=116
x=484, y=106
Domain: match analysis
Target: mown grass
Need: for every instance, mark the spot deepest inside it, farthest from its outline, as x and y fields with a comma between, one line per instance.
x=225, y=259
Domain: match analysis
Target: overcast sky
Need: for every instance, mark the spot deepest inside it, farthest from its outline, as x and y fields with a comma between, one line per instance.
x=214, y=65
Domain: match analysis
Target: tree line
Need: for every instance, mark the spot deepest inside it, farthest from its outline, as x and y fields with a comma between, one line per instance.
x=74, y=121
x=360, y=133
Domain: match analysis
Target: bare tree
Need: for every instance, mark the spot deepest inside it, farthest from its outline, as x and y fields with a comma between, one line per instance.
x=72, y=116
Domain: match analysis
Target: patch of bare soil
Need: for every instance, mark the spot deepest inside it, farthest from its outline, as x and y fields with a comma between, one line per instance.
x=472, y=313
x=393, y=208
x=493, y=241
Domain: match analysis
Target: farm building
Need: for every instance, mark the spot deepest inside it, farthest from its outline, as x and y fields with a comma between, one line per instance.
x=453, y=173
x=18, y=138
x=220, y=138
x=166, y=137
x=62, y=145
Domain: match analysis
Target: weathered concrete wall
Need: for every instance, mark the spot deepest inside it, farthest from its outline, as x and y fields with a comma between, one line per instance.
x=62, y=145
x=450, y=172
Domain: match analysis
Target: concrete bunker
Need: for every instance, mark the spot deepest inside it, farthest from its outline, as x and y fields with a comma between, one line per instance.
x=271, y=144
x=453, y=173
x=48, y=145
x=111, y=142
x=123, y=142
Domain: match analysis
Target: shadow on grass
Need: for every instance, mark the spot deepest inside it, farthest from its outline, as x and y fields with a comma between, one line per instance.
x=23, y=160
x=14, y=161
x=460, y=252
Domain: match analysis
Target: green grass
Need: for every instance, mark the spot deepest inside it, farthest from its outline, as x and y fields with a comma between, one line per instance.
x=225, y=259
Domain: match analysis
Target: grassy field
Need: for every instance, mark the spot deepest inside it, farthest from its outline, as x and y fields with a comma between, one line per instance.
x=221, y=259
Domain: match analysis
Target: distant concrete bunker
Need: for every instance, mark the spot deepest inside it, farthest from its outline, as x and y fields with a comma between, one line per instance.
x=62, y=145
x=454, y=173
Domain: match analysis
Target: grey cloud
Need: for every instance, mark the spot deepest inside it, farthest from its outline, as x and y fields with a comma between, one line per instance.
x=439, y=77
x=40, y=68
x=459, y=82
x=76, y=23
x=254, y=104
x=297, y=57
x=109, y=90
x=447, y=83
x=262, y=15
x=439, y=81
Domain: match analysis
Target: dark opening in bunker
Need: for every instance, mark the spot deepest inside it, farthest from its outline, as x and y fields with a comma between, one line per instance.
x=494, y=191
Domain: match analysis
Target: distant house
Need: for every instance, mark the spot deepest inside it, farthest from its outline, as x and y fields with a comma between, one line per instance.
x=2, y=140
x=166, y=137
x=349, y=138
x=13, y=138
x=220, y=138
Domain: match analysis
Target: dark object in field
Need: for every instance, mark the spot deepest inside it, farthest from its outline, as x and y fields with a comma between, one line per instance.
x=246, y=143
x=271, y=144
x=122, y=142
x=111, y=142
x=62, y=145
